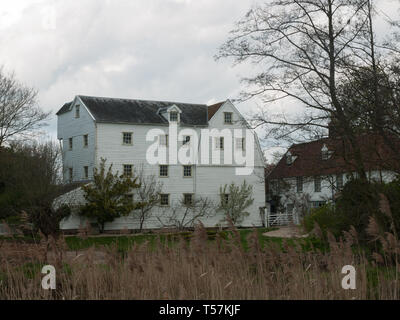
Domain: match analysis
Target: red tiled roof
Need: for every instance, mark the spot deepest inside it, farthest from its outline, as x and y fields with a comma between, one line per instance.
x=309, y=157
x=213, y=109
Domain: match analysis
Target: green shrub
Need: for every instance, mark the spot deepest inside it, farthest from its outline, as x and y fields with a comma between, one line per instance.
x=328, y=218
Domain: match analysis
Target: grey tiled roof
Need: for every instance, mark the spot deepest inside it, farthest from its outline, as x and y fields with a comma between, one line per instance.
x=139, y=111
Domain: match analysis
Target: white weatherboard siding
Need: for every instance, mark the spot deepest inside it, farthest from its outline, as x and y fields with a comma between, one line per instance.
x=328, y=187
x=70, y=127
x=105, y=141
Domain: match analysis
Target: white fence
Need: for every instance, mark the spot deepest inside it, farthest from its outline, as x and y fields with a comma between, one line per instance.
x=280, y=219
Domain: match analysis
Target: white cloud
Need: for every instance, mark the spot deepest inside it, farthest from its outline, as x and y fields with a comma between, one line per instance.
x=148, y=49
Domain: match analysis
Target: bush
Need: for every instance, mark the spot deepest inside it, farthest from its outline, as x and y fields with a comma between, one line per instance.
x=328, y=218
x=359, y=201
x=392, y=192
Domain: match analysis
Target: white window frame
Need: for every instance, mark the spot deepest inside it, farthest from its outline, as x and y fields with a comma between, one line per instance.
x=159, y=170
x=184, y=170
x=126, y=165
x=85, y=140
x=161, y=197
x=86, y=172
x=219, y=143
x=317, y=184
x=299, y=184
x=191, y=199
x=337, y=181
x=226, y=198
x=175, y=113
x=225, y=117
x=130, y=134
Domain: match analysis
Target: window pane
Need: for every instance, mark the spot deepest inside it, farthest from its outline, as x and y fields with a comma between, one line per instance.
x=173, y=116
x=228, y=117
x=164, y=171
x=127, y=138
x=127, y=170
x=164, y=199
x=85, y=140
x=187, y=171
x=339, y=181
x=317, y=184
x=226, y=198
x=299, y=184
x=188, y=199
x=86, y=170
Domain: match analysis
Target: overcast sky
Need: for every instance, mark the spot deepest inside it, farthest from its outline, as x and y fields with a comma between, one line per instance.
x=139, y=49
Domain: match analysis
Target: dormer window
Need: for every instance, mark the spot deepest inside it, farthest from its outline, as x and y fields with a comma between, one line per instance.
x=173, y=116
x=325, y=152
x=289, y=158
x=228, y=117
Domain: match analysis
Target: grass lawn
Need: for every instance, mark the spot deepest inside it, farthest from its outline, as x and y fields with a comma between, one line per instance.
x=124, y=242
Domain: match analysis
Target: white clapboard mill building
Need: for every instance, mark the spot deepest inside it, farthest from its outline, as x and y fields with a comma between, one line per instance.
x=219, y=145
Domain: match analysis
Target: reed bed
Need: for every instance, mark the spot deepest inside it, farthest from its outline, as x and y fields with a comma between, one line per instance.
x=203, y=269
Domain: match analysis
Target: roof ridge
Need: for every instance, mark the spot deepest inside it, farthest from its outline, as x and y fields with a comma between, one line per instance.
x=144, y=100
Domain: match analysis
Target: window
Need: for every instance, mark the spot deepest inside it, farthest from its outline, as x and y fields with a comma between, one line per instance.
x=186, y=140
x=188, y=199
x=187, y=171
x=77, y=111
x=86, y=172
x=70, y=143
x=219, y=143
x=225, y=199
x=325, y=152
x=128, y=170
x=228, y=117
x=240, y=143
x=163, y=171
x=71, y=174
x=289, y=158
x=317, y=204
x=317, y=184
x=85, y=141
x=173, y=116
x=127, y=138
x=164, y=199
x=339, y=181
x=299, y=183
x=164, y=140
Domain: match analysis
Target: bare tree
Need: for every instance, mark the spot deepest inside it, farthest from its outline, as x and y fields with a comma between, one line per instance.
x=234, y=200
x=305, y=48
x=183, y=215
x=19, y=111
x=30, y=176
x=148, y=195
